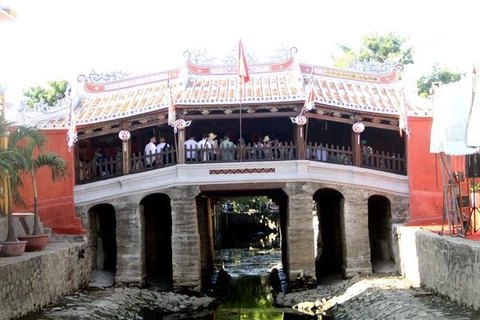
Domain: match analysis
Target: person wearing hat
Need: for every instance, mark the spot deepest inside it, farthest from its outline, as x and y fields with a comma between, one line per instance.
x=213, y=144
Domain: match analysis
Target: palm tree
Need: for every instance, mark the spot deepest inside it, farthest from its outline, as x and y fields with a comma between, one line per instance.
x=9, y=161
x=25, y=141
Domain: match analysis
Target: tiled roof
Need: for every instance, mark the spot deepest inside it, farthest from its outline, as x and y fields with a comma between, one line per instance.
x=359, y=91
x=219, y=85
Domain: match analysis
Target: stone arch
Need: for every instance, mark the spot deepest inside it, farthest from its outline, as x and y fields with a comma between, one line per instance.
x=156, y=212
x=380, y=233
x=103, y=242
x=329, y=228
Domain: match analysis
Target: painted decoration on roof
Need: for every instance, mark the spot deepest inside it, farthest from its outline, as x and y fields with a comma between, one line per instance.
x=197, y=86
x=390, y=77
x=233, y=69
x=106, y=86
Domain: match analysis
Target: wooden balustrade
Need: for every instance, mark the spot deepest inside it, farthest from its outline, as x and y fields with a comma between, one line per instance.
x=242, y=153
x=330, y=153
x=112, y=167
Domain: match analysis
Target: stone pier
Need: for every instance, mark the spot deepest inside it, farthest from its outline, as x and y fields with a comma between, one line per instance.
x=356, y=245
x=300, y=236
x=185, y=238
x=130, y=246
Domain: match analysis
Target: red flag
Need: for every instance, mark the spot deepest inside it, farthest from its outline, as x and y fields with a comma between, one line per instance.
x=242, y=64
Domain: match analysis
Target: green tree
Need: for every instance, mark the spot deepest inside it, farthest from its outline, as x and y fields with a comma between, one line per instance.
x=51, y=95
x=381, y=48
x=26, y=140
x=442, y=75
x=10, y=160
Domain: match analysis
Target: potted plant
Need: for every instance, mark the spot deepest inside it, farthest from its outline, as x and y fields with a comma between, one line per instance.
x=475, y=195
x=9, y=162
x=33, y=160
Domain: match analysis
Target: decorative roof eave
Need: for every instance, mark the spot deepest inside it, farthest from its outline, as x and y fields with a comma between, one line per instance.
x=393, y=76
x=205, y=70
x=93, y=87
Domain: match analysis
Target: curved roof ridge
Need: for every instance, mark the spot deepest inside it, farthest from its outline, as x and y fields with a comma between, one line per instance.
x=382, y=78
x=226, y=69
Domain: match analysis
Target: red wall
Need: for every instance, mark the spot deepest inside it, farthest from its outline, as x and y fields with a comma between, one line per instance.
x=425, y=176
x=56, y=203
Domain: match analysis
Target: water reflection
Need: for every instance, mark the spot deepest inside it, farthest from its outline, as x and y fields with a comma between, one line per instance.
x=248, y=261
x=250, y=298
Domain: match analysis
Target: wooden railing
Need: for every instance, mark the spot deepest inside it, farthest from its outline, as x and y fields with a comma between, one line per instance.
x=242, y=153
x=385, y=161
x=140, y=162
x=112, y=167
x=330, y=153
x=105, y=168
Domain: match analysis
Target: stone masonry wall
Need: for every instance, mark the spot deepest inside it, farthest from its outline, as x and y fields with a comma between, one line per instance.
x=447, y=265
x=33, y=280
x=301, y=242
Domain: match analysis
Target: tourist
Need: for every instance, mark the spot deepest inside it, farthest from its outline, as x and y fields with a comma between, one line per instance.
x=150, y=151
x=229, y=145
x=191, y=145
x=162, y=151
x=367, y=152
x=213, y=145
x=203, y=145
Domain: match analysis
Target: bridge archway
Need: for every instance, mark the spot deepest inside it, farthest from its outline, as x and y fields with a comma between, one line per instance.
x=380, y=233
x=246, y=226
x=102, y=225
x=157, y=215
x=329, y=230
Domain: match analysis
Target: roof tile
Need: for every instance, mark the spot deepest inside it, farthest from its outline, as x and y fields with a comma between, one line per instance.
x=218, y=85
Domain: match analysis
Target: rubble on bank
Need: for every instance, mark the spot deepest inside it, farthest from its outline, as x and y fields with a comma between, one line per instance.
x=125, y=303
x=374, y=297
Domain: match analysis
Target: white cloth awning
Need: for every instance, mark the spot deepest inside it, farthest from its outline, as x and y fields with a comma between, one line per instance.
x=451, y=109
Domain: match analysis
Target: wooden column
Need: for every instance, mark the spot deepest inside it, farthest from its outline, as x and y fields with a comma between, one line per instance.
x=181, y=146
x=357, y=148
x=300, y=141
x=125, y=156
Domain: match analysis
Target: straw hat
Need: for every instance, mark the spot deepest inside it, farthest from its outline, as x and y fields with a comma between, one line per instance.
x=266, y=139
x=212, y=135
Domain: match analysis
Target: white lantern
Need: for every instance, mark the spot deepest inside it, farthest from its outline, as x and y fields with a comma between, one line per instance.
x=358, y=127
x=124, y=135
x=300, y=120
x=180, y=124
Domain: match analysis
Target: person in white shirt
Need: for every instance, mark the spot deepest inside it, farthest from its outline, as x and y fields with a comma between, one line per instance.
x=163, y=147
x=190, y=146
x=204, y=144
x=150, y=151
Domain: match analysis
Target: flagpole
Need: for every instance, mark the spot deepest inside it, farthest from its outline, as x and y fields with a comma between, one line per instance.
x=244, y=78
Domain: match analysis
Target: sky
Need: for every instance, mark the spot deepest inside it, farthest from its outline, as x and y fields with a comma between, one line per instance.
x=60, y=39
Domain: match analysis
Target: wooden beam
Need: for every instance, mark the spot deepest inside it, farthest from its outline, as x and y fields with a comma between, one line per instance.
x=248, y=187
x=129, y=128
x=350, y=121
x=244, y=116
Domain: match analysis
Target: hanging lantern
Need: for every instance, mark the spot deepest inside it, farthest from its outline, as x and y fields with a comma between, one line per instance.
x=124, y=135
x=301, y=120
x=180, y=124
x=358, y=127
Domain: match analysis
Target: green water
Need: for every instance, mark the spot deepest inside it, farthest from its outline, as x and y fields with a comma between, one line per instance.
x=249, y=298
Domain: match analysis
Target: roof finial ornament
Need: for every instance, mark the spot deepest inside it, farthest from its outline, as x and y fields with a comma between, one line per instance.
x=187, y=54
x=293, y=50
